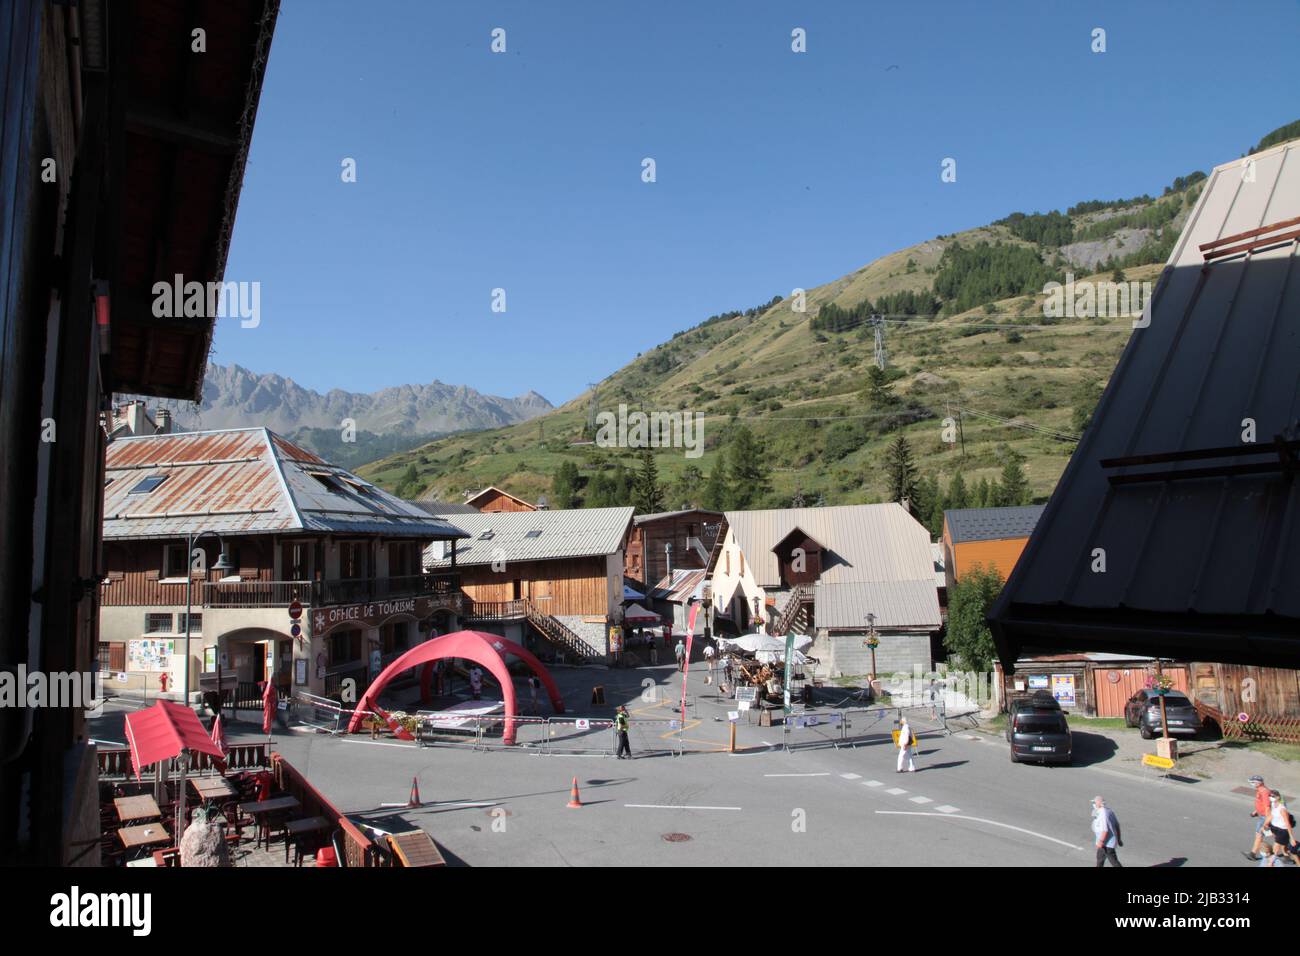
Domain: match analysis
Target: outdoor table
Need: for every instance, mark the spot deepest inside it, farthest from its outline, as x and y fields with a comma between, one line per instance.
x=295, y=830
x=264, y=808
x=213, y=788
x=142, y=807
x=143, y=836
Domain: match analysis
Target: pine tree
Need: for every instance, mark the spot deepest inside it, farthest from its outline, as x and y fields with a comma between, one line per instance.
x=714, y=496
x=983, y=493
x=877, y=390
x=747, y=469
x=647, y=493
x=958, y=496
x=900, y=469
x=1013, y=488
x=687, y=488
x=564, y=486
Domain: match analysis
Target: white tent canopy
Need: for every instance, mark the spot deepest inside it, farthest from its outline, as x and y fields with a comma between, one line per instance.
x=756, y=643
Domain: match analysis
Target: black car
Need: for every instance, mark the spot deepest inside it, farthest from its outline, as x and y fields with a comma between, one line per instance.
x=1037, y=730
x=1143, y=712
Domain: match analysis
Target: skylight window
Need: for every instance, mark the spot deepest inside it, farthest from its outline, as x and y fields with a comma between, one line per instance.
x=535, y=533
x=146, y=485
x=326, y=480
x=486, y=535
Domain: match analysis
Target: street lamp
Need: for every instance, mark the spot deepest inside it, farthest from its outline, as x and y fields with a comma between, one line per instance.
x=223, y=564
x=872, y=642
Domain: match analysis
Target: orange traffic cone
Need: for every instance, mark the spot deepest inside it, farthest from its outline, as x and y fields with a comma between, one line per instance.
x=415, y=793
x=574, y=799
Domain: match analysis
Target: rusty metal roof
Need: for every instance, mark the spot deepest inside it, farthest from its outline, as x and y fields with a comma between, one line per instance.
x=245, y=481
x=1198, y=526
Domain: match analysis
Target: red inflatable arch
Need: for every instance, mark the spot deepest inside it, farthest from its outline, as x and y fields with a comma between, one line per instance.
x=480, y=647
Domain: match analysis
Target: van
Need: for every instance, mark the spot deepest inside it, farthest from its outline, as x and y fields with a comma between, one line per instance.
x=1037, y=731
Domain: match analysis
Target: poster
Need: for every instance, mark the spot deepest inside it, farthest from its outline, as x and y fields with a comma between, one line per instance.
x=1038, y=682
x=1063, y=689
x=149, y=654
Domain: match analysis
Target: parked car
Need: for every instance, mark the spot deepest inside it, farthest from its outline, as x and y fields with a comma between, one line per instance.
x=1143, y=712
x=1038, y=731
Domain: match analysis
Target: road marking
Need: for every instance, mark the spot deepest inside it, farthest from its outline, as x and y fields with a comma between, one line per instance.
x=672, y=806
x=851, y=776
x=993, y=823
x=945, y=808
x=872, y=783
x=895, y=791
x=796, y=774
x=920, y=800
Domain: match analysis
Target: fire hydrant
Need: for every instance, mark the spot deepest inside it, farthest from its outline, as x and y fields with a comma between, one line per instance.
x=162, y=680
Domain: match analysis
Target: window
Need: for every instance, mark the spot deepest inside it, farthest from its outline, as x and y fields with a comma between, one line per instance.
x=535, y=533
x=196, y=623
x=158, y=624
x=486, y=535
x=175, y=561
x=352, y=559
x=327, y=480
x=345, y=648
x=146, y=485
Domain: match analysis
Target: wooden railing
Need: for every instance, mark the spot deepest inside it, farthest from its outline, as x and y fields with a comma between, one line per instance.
x=801, y=595
x=494, y=610
x=316, y=593
x=559, y=634
x=358, y=849
x=115, y=762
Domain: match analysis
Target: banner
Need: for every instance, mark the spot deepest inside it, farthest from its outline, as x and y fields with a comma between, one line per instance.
x=686, y=664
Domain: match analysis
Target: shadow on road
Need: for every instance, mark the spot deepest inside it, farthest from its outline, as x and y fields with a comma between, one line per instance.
x=1090, y=749
x=1172, y=861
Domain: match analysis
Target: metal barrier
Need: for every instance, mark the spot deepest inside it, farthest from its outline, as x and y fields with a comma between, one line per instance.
x=319, y=713
x=478, y=731
x=579, y=735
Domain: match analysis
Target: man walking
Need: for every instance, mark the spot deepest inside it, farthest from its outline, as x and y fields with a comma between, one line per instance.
x=680, y=652
x=534, y=685
x=1105, y=830
x=620, y=726
x=906, y=747
x=708, y=662
x=1261, y=812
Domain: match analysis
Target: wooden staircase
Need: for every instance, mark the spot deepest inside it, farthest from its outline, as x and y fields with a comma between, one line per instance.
x=797, y=612
x=560, y=635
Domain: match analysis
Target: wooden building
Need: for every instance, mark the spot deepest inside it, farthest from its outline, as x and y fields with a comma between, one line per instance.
x=123, y=159
x=1240, y=689
x=557, y=575
x=493, y=499
x=671, y=541
x=270, y=524
x=986, y=537
x=1093, y=684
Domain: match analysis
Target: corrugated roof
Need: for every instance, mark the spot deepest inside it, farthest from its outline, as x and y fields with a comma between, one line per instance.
x=1199, y=566
x=879, y=542
x=245, y=481
x=432, y=507
x=678, y=586
x=896, y=604
x=991, y=524
x=643, y=519
x=509, y=535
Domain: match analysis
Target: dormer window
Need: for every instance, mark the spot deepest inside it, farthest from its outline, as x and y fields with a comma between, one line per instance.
x=145, y=485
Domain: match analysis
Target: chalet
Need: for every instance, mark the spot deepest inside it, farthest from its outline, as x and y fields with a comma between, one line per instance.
x=555, y=575
x=987, y=537
x=148, y=147
x=834, y=572
x=1173, y=531
x=492, y=499
x=671, y=541
x=223, y=531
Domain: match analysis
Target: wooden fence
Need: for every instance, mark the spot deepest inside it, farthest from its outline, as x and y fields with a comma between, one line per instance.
x=358, y=849
x=1255, y=727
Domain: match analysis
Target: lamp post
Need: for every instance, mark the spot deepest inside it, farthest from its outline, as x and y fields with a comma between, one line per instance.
x=223, y=564
x=872, y=642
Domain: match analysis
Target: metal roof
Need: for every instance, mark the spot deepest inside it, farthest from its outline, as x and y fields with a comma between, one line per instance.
x=896, y=604
x=658, y=516
x=991, y=524
x=1200, y=540
x=431, y=507
x=510, y=535
x=881, y=542
x=679, y=586
x=245, y=481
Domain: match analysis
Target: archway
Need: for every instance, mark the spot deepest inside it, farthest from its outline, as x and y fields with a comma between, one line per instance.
x=489, y=650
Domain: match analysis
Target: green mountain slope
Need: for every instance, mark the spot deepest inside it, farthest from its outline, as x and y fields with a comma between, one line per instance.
x=966, y=337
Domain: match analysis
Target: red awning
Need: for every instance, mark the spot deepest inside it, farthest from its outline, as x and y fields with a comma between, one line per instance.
x=165, y=730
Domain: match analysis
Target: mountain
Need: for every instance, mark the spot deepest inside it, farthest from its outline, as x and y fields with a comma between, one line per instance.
x=984, y=377
x=386, y=421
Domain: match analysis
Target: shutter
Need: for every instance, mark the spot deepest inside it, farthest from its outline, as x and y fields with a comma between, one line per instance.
x=117, y=657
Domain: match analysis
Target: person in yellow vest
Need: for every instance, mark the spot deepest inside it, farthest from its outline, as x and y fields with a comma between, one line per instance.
x=620, y=726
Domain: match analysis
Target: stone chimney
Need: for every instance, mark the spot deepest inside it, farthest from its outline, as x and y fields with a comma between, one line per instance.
x=136, y=415
x=164, y=419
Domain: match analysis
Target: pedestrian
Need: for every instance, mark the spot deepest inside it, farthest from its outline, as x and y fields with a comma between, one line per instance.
x=534, y=685
x=680, y=652
x=654, y=651
x=620, y=725
x=1261, y=815
x=1105, y=828
x=1282, y=825
x=906, y=747
x=476, y=682
x=709, y=653
x=934, y=698
x=727, y=674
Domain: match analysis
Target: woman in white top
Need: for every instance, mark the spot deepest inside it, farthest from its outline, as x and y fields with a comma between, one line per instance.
x=1279, y=822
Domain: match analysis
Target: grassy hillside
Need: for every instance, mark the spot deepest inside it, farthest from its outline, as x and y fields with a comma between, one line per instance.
x=1025, y=384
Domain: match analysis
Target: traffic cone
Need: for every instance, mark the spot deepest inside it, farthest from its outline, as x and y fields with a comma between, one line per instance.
x=415, y=793
x=574, y=799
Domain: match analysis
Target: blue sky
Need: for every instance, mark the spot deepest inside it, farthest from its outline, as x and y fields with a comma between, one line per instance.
x=522, y=170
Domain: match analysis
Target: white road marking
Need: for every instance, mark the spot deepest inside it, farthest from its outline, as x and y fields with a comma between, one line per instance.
x=851, y=776
x=946, y=808
x=672, y=806
x=797, y=774
x=920, y=800
x=872, y=783
x=895, y=791
x=993, y=823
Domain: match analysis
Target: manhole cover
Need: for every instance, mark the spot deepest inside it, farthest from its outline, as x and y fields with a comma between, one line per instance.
x=676, y=837
x=499, y=812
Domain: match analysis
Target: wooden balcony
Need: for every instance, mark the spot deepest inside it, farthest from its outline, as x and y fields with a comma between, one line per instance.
x=268, y=594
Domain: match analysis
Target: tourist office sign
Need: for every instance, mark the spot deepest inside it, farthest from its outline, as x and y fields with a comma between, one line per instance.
x=377, y=613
